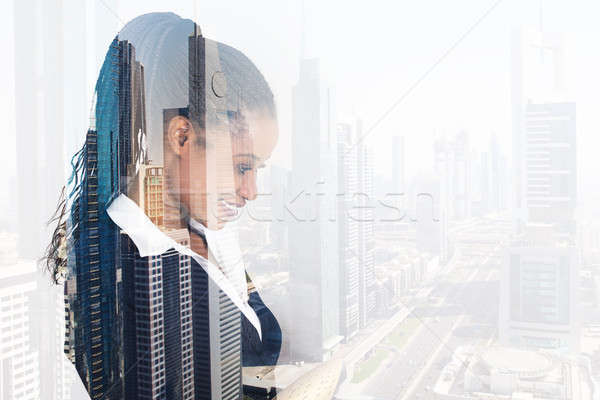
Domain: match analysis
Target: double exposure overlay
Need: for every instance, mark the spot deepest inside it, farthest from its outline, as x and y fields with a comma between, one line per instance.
x=294, y=200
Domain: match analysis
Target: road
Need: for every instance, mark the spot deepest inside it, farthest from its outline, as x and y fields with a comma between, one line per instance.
x=466, y=313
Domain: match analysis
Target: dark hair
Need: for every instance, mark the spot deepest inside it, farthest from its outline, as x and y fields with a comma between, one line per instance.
x=160, y=43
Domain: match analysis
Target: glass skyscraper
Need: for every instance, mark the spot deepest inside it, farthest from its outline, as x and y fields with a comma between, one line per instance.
x=94, y=289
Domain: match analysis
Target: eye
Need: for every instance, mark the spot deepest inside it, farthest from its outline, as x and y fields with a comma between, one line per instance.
x=243, y=168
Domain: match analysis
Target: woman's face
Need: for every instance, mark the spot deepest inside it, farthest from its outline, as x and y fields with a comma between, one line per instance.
x=218, y=171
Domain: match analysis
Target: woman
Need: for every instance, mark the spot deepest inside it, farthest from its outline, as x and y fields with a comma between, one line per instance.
x=155, y=281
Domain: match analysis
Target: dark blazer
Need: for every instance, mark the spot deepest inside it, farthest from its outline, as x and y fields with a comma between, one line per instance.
x=256, y=352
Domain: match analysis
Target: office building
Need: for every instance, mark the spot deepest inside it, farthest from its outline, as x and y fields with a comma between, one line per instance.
x=313, y=228
x=539, y=285
x=158, y=329
x=152, y=196
x=95, y=289
x=543, y=126
x=216, y=320
x=19, y=359
x=549, y=172
x=539, y=292
x=348, y=231
x=366, y=232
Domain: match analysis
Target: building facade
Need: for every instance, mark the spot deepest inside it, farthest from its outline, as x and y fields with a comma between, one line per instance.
x=347, y=169
x=313, y=229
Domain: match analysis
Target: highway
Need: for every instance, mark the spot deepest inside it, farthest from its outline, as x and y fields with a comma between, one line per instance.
x=461, y=309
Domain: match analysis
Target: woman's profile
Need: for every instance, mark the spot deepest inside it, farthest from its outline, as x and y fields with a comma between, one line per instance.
x=159, y=304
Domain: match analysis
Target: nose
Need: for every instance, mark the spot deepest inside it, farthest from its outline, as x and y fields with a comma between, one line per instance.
x=248, y=188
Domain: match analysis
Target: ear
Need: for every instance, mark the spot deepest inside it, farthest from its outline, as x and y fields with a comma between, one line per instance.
x=179, y=132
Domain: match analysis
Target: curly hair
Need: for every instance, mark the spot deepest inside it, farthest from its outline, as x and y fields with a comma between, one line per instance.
x=55, y=257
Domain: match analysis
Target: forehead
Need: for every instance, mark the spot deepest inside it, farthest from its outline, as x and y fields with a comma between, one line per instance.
x=260, y=137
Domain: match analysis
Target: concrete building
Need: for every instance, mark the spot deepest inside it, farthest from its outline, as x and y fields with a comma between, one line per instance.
x=152, y=199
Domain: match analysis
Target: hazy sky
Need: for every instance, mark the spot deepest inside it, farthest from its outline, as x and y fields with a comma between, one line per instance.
x=373, y=52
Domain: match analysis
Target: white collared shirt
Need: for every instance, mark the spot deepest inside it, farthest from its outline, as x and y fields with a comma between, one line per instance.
x=223, y=248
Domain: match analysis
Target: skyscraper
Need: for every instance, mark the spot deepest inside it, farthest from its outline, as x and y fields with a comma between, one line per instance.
x=538, y=63
x=539, y=283
x=158, y=330
x=366, y=232
x=550, y=171
x=112, y=149
x=347, y=169
x=216, y=320
x=313, y=230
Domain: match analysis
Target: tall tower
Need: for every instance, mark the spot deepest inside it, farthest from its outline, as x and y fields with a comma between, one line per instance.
x=366, y=232
x=313, y=230
x=539, y=282
x=158, y=329
x=108, y=161
x=538, y=78
x=216, y=320
x=348, y=231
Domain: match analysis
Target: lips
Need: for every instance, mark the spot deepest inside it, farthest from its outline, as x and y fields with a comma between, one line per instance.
x=227, y=210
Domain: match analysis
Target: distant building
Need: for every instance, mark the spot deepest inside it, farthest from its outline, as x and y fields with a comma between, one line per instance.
x=539, y=290
x=549, y=177
x=430, y=215
x=366, y=232
x=512, y=373
x=348, y=231
x=19, y=359
x=313, y=229
x=543, y=127
x=452, y=165
x=540, y=281
x=278, y=228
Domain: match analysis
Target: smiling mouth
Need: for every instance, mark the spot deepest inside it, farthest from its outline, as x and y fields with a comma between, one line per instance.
x=233, y=208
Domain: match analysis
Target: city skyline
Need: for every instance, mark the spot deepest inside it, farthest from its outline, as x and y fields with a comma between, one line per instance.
x=392, y=262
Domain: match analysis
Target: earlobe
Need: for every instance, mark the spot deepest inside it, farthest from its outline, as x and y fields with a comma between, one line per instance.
x=179, y=132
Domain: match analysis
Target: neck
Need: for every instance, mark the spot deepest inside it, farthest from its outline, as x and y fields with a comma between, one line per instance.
x=198, y=243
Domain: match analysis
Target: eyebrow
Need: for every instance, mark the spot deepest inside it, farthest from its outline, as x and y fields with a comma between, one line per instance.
x=253, y=156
